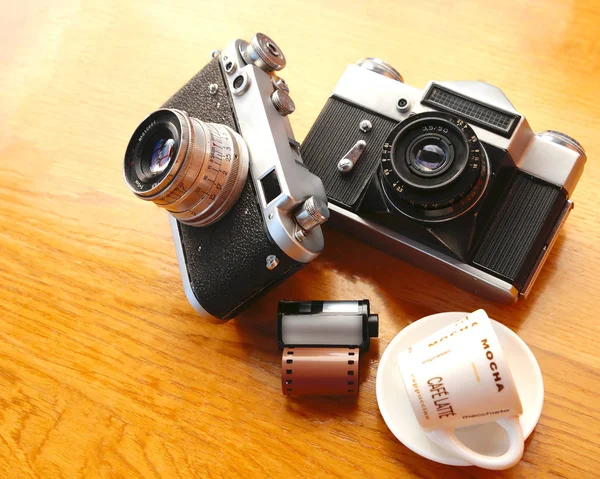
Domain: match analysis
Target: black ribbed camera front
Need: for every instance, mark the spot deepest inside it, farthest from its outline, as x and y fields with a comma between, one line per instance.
x=519, y=228
x=336, y=131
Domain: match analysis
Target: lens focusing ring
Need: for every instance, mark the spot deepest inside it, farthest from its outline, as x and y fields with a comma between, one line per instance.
x=207, y=175
x=434, y=197
x=218, y=187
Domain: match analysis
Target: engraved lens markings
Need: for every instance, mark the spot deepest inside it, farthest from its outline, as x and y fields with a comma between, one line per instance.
x=216, y=171
x=463, y=199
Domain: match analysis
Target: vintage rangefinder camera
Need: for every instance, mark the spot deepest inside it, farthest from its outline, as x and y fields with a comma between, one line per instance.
x=221, y=158
x=450, y=178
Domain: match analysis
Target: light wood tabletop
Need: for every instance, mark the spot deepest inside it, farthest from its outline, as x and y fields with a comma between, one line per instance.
x=105, y=368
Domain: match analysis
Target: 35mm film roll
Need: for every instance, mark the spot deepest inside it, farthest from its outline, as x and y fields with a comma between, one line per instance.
x=321, y=343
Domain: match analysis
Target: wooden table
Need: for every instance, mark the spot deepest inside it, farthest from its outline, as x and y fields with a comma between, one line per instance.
x=105, y=369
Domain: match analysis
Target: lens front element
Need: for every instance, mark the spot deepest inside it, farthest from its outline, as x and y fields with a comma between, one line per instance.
x=430, y=155
x=195, y=170
x=161, y=156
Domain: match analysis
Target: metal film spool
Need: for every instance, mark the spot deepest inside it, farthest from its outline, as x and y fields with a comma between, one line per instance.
x=330, y=330
x=320, y=371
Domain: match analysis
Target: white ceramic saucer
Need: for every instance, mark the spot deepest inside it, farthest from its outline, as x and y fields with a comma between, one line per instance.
x=486, y=438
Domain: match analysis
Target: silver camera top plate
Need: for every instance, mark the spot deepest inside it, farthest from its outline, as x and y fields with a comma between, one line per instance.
x=273, y=149
x=534, y=154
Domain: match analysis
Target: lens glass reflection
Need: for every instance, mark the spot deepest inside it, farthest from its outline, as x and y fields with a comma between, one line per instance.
x=162, y=155
x=430, y=157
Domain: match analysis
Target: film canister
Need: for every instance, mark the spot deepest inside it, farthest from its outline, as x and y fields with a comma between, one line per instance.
x=321, y=343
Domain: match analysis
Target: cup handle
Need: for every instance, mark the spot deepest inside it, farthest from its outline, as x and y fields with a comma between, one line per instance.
x=448, y=440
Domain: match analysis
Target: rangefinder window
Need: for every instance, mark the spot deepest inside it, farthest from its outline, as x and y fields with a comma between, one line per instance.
x=270, y=186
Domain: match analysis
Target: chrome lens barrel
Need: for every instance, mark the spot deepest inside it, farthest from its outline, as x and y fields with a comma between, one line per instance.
x=193, y=169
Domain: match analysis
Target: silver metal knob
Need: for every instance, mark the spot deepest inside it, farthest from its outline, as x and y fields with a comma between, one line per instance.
x=283, y=102
x=272, y=262
x=379, y=66
x=349, y=160
x=365, y=126
x=562, y=139
x=312, y=213
x=263, y=53
x=279, y=83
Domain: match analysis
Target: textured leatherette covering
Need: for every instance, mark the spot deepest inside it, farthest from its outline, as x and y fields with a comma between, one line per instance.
x=334, y=133
x=519, y=228
x=226, y=261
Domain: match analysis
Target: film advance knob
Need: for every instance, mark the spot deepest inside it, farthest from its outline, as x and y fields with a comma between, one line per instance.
x=283, y=102
x=562, y=139
x=312, y=213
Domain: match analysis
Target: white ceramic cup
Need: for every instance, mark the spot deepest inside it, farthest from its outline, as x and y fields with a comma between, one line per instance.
x=458, y=377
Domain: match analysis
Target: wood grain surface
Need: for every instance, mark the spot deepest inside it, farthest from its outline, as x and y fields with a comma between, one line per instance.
x=105, y=369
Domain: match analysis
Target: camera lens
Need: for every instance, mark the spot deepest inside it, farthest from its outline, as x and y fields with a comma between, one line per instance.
x=433, y=167
x=195, y=170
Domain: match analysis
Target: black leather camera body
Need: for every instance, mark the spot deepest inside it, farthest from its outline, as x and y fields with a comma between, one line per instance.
x=450, y=178
x=221, y=157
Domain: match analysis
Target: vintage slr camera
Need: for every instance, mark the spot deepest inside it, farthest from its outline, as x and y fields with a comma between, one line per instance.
x=450, y=178
x=220, y=156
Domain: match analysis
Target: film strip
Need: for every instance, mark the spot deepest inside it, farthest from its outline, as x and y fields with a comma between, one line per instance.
x=320, y=371
x=322, y=343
